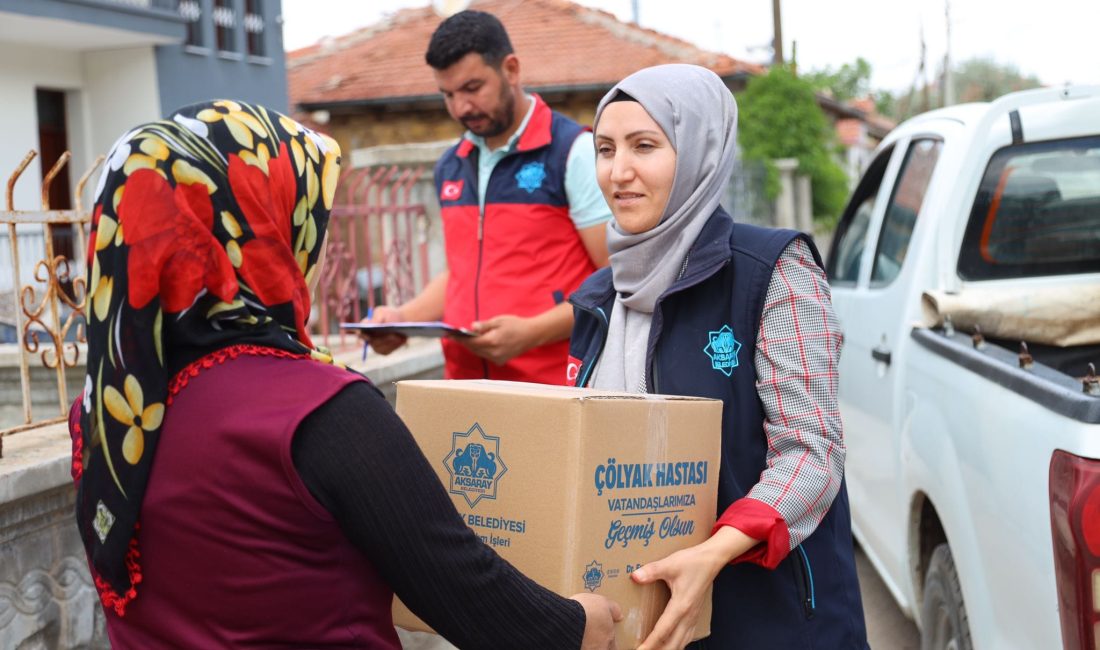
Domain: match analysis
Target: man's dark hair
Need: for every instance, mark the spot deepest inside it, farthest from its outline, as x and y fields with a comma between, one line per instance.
x=465, y=32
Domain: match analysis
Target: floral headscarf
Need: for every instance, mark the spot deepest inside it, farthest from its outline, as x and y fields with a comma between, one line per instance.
x=206, y=228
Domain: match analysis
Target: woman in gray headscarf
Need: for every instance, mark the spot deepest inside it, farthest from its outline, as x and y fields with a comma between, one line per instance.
x=694, y=304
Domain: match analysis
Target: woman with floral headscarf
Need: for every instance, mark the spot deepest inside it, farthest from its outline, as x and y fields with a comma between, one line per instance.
x=235, y=486
x=694, y=304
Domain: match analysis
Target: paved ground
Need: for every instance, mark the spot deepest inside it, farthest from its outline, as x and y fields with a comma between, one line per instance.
x=887, y=627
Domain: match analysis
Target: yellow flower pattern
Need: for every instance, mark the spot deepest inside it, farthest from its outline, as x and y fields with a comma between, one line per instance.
x=132, y=412
x=242, y=125
x=216, y=146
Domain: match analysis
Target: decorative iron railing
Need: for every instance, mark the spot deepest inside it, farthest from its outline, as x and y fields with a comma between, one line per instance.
x=377, y=254
x=49, y=306
x=377, y=249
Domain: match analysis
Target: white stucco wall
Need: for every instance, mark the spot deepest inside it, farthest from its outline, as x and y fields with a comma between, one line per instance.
x=122, y=92
x=109, y=92
x=22, y=69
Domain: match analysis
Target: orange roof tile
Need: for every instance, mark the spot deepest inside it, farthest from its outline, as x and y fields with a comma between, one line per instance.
x=559, y=43
x=849, y=131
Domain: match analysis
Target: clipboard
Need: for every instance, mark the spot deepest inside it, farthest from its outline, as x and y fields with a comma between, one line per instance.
x=432, y=329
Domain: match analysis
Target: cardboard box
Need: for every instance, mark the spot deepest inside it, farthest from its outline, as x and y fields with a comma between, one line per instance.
x=575, y=487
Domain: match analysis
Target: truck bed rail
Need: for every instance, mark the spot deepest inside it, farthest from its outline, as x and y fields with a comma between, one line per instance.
x=1054, y=390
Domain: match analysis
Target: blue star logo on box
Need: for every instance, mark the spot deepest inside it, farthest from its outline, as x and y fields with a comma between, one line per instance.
x=722, y=349
x=593, y=576
x=475, y=465
x=531, y=176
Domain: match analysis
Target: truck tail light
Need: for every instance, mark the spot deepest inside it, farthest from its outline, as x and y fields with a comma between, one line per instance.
x=1075, y=527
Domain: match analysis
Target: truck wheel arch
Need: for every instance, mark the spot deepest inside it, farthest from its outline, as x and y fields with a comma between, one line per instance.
x=925, y=534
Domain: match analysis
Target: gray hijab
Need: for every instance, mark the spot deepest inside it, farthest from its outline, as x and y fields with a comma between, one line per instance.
x=699, y=117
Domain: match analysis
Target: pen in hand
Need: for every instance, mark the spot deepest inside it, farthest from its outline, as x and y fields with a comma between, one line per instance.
x=366, y=341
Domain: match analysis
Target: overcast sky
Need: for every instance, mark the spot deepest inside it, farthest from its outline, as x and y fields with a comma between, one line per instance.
x=1055, y=40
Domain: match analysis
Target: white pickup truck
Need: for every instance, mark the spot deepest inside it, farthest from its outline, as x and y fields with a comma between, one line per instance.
x=974, y=462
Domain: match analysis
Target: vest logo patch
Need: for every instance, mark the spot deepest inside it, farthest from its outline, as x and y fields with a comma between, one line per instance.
x=451, y=190
x=475, y=465
x=593, y=576
x=722, y=349
x=573, y=371
x=531, y=176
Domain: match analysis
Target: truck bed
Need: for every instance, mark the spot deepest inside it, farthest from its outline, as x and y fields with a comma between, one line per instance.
x=1054, y=380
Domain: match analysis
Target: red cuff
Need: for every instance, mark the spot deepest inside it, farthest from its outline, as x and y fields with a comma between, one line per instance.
x=759, y=521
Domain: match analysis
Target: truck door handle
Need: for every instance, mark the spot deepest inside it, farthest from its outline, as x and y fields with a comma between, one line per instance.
x=881, y=353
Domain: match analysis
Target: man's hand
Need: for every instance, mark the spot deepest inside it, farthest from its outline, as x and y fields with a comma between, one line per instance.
x=502, y=338
x=384, y=343
x=600, y=616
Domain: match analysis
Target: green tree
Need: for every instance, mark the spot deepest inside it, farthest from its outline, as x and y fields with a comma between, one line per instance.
x=975, y=80
x=983, y=80
x=850, y=81
x=780, y=118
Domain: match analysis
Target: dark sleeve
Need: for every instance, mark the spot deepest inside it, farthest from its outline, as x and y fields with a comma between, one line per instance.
x=361, y=463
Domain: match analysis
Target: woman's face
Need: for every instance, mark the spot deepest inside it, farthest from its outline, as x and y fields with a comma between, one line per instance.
x=635, y=166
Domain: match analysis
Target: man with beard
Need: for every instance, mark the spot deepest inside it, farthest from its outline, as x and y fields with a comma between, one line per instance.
x=523, y=219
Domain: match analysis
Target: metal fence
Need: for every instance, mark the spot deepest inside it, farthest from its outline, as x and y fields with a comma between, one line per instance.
x=48, y=310
x=377, y=249
x=746, y=197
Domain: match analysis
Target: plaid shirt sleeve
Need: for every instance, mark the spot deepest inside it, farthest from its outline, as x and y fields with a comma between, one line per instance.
x=797, y=352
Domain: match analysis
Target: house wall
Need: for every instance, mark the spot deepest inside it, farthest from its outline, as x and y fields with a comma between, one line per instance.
x=372, y=127
x=121, y=92
x=108, y=92
x=193, y=74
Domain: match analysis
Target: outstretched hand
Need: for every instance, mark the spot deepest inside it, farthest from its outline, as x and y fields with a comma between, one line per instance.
x=600, y=616
x=689, y=573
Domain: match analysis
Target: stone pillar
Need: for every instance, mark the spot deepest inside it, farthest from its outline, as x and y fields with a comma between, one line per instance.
x=785, y=203
x=804, y=204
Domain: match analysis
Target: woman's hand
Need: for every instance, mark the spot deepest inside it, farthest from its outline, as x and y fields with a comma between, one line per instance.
x=689, y=573
x=600, y=616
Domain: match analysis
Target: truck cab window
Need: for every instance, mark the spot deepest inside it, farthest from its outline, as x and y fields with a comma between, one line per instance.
x=901, y=212
x=851, y=237
x=1037, y=212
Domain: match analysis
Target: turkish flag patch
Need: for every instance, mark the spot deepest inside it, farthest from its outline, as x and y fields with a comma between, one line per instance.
x=451, y=190
x=572, y=371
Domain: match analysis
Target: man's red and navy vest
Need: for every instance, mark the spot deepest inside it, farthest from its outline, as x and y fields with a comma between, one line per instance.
x=812, y=599
x=235, y=551
x=523, y=255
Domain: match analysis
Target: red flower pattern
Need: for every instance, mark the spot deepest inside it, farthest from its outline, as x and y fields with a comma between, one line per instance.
x=267, y=202
x=173, y=255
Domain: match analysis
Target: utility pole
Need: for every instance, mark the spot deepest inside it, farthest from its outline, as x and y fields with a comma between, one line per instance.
x=925, y=103
x=948, y=73
x=634, y=11
x=777, y=40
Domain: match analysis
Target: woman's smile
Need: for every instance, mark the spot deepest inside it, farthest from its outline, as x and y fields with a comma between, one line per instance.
x=635, y=166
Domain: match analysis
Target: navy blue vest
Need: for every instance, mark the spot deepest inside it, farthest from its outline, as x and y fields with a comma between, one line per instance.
x=811, y=600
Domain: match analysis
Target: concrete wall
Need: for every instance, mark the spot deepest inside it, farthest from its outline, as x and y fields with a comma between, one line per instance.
x=121, y=92
x=24, y=68
x=376, y=126
x=192, y=74
x=44, y=400
x=108, y=91
x=46, y=595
